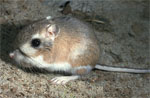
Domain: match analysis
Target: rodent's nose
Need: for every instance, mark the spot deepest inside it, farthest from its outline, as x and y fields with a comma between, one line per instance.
x=11, y=55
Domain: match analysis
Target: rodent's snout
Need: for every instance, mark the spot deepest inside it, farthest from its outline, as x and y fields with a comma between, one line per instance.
x=11, y=55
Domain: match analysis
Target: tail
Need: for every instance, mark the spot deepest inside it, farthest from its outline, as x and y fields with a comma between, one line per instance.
x=117, y=69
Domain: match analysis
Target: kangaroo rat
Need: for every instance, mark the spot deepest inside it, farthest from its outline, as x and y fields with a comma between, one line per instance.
x=61, y=44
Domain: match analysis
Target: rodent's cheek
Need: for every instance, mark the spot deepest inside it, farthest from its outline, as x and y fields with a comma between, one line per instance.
x=28, y=50
x=18, y=56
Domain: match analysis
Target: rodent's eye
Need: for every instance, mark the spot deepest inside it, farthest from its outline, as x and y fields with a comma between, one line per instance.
x=35, y=42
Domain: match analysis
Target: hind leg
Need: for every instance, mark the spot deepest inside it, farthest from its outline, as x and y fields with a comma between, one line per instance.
x=77, y=72
x=64, y=79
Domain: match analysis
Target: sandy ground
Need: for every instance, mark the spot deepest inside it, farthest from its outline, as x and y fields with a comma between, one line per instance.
x=123, y=37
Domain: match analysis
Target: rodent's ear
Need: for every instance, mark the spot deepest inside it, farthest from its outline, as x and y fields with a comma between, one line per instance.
x=52, y=31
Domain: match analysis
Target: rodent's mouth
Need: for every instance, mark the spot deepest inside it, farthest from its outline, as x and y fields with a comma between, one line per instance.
x=29, y=61
x=22, y=52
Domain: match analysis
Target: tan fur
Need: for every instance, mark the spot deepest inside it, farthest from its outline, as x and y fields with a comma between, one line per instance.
x=62, y=47
x=89, y=58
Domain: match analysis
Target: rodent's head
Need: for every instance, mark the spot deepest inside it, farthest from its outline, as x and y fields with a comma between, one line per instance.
x=31, y=41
